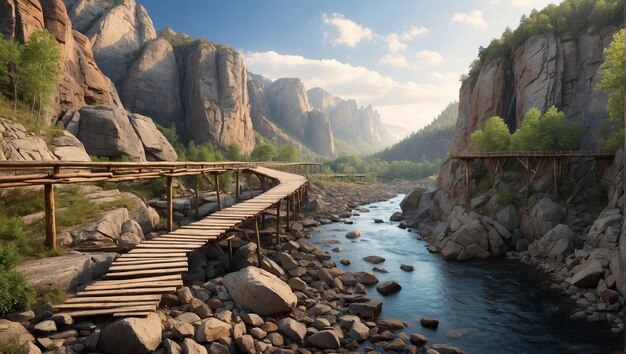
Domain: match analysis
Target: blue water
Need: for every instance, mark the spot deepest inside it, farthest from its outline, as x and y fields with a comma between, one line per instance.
x=499, y=306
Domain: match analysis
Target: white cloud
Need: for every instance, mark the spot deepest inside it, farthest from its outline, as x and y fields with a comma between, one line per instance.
x=413, y=32
x=429, y=58
x=409, y=104
x=348, y=32
x=538, y=3
x=396, y=42
x=473, y=18
x=396, y=60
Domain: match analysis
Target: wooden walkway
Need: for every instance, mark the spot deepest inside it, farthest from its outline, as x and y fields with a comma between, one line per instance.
x=136, y=280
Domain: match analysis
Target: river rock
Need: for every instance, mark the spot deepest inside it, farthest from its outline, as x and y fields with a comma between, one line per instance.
x=368, y=309
x=326, y=339
x=359, y=331
x=397, y=216
x=396, y=345
x=212, y=329
x=366, y=278
x=374, y=259
x=588, y=276
x=292, y=329
x=131, y=335
x=389, y=287
x=429, y=322
x=353, y=234
x=447, y=349
x=260, y=291
x=245, y=344
x=407, y=267
x=418, y=339
x=411, y=201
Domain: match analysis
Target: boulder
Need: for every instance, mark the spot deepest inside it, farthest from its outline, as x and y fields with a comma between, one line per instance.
x=589, y=274
x=107, y=131
x=557, y=243
x=429, y=322
x=446, y=349
x=260, y=291
x=396, y=345
x=155, y=144
x=366, y=278
x=212, y=329
x=605, y=230
x=245, y=344
x=17, y=145
x=543, y=216
x=14, y=330
x=189, y=346
x=368, y=309
x=389, y=287
x=374, y=259
x=359, y=331
x=352, y=234
x=507, y=216
x=131, y=335
x=103, y=233
x=68, y=148
x=326, y=339
x=292, y=329
x=397, y=216
x=411, y=201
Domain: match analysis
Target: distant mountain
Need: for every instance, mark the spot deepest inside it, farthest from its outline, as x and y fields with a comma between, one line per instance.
x=429, y=143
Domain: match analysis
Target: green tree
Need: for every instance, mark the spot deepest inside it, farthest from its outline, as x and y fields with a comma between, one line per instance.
x=263, y=152
x=287, y=153
x=524, y=138
x=234, y=152
x=495, y=136
x=10, y=54
x=41, y=66
x=612, y=81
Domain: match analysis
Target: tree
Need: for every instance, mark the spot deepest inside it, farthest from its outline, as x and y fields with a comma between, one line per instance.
x=287, y=153
x=263, y=152
x=41, y=66
x=10, y=54
x=495, y=136
x=523, y=138
x=612, y=81
x=234, y=152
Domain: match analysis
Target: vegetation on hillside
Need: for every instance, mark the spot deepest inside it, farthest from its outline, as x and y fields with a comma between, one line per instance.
x=30, y=72
x=372, y=165
x=427, y=144
x=612, y=81
x=570, y=16
x=548, y=132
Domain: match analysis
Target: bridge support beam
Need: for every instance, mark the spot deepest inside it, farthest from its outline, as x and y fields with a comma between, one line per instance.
x=278, y=222
x=287, y=227
x=237, y=186
x=217, y=191
x=170, y=194
x=258, y=241
x=51, y=230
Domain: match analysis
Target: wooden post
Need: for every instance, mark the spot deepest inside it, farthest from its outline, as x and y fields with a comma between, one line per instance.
x=288, y=211
x=278, y=222
x=170, y=193
x=237, y=186
x=51, y=230
x=467, y=191
x=258, y=240
x=230, y=254
x=197, y=198
x=262, y=179
x=217, y=191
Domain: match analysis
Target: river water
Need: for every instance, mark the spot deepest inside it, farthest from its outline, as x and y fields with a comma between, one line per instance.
x=498, y=306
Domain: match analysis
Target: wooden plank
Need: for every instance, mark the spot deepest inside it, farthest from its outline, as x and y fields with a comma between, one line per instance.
x=152, y=255
x=182, y=246
x=132, y=314
x=147, y=266
x=110, y=311
x=144, y=279
x=146, y=272
x=104, y=305
x=175, y=283
x=204, y=238
x=139, y=261
x=127, y=298
x=160, y=290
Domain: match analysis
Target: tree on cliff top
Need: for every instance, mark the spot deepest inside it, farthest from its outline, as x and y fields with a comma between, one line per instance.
x=612, y=80
x=495, y=136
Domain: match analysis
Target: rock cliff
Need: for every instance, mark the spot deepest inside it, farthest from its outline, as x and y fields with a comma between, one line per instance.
x=81, y=81
x=117, y=30
x=547, y=69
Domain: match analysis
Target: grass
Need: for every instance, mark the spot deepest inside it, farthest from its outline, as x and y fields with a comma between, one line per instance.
x=23, y=116
x=73, y=209
x=10, y=346
x=53, y=296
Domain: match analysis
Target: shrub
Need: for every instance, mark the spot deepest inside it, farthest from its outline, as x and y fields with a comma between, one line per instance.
x=15, y=293
x=9, y=256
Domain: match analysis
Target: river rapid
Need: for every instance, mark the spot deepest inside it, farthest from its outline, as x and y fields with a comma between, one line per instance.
x=490, y=306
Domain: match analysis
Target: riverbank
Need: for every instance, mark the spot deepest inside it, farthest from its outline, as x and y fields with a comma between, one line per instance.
x=307, y=303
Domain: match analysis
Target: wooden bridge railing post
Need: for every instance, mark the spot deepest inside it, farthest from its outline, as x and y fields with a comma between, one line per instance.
x=51, y=230
x=197, y=197
x=287, y=227
x=278, y=222
x=237, y=186
x=217, y=191
x=170, y=194
x=258, y=240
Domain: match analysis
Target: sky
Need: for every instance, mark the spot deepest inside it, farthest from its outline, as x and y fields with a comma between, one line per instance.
x=404, y=57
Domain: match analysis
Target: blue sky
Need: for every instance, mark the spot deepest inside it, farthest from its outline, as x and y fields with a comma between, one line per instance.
x=404, y=57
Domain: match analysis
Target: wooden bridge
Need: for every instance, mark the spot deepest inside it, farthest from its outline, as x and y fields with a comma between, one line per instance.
x=531, y=161
x=136, y=280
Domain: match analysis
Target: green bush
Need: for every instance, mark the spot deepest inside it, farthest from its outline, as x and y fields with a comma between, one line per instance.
x=9, y=256
x=15, y=293
x=495, y=136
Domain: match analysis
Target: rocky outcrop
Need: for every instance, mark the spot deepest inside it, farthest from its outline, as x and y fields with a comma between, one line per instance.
x=320, y=136
x=289, y=104
x=322, y=100
x=116, y=29
x=132, y=335
x=81, y=81
x=547, y=69
x=152, y=86
x=112, y=132
x=215, y=97
x=17, y=145
x=68, y=148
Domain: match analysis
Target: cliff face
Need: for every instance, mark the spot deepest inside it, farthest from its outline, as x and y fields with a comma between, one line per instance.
x=348, y=121
x=546, y=70
x=81, y=81
x=215, y=97
x=117, y=30
x=289, y=105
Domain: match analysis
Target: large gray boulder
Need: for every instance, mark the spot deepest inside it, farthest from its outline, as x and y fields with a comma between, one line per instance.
x=105, y=232
x=152, y=85
x=17, y=145
x=10, y=330
x=543, y=216
x=588, y=275
x=469, y=241
x=68, y=148
x=557, y=243
x=260, y=291
x=131, y=335
x=107, y=131
x=605, y=231
x=411, y=201
x=326, y=339
x=618, y=265
x=155, y=144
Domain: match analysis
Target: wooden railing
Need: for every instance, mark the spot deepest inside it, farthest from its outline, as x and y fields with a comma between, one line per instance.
x=563, y=153
x=48, y=173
